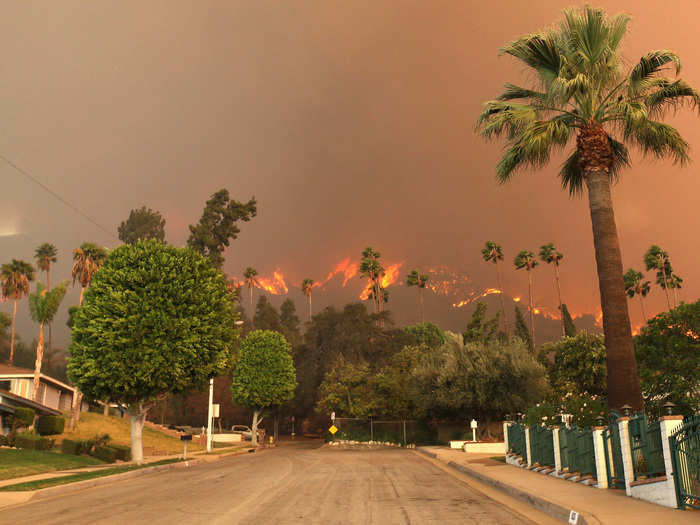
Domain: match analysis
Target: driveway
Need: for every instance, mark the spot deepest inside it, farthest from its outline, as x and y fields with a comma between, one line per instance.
x=295, y=483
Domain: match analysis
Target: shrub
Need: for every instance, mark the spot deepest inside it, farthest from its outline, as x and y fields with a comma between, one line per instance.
x=3, y=440
x=24, y=417
x=123, y=453
x=106, y=454
x=76, y=446
x=50, y=425
x=26, y=441
x=44, y=443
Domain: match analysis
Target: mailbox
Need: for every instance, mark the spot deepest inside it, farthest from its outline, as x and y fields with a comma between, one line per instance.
x=186, y=437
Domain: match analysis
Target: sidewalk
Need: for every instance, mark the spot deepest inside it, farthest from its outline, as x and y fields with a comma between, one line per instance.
x=557, y=497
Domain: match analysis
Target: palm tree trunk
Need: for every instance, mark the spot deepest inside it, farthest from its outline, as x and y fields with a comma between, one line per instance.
x=561, y=310
x=251, y=303
x=675, y=297
x=12, y=336
x=37, y=363
x=309, y=306
x=532, y=312
x=503, y=301
x=623, y=378
x=641, y=303
x=82, y=293
x=48, y=289
x=422, y=308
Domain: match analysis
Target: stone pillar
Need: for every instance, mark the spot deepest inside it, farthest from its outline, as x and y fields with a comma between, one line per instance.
x=599, y=451
x=668, y=424
x=506, y=424
x=557, y=450
x=627, y=462
x=527, y=446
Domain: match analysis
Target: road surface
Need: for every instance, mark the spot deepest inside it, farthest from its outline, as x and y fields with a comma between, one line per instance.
x=295, y=483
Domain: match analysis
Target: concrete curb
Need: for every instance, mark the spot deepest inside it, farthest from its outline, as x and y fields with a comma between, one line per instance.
x=76, y=486
x=548, y=507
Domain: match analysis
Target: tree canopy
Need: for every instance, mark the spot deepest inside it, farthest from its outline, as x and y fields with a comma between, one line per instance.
x=143, y=223
x=577, y=364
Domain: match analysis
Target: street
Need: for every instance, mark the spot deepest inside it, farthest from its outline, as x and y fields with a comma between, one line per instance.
x=295, y=483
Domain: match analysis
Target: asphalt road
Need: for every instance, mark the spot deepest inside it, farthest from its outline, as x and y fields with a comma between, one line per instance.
x=299, y=483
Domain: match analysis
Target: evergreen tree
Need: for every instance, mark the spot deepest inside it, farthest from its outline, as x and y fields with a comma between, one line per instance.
x=479, y=330
x=143, y=223
x=266, y=316
x=521, y=330
x=569, y=326
x=290, y=322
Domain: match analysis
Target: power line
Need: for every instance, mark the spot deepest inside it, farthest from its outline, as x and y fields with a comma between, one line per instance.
x=57, y=196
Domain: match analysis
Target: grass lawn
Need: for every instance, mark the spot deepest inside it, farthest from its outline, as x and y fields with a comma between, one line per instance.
x=81, y=476
x=154, y=442
x=16, y=463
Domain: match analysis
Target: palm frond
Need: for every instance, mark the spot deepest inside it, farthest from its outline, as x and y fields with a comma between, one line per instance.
x=513, y=92
x=539, y=51
x=657, y=139
x=572, y=177
x=672, y=95
x=650, y=64
x=505, y=117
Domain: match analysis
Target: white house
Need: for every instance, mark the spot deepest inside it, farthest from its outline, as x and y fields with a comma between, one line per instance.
x=53, y=393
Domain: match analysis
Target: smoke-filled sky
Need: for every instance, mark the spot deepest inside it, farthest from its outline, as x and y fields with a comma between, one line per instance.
x=352, y=123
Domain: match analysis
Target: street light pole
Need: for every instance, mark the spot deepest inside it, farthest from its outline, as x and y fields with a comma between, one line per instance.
x=210, y=413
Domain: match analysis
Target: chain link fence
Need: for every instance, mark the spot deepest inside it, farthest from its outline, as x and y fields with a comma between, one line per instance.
x=402, y=431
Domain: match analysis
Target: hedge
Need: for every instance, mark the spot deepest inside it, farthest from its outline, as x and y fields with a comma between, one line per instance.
x=107, y=454
x=32, y=442
x=76, y=446
x=24, y=417
x=50, y=425
x=3, y=440
x=123, y=453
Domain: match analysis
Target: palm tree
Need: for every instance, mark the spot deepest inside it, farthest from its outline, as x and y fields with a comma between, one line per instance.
x=306, y=287
x=45, y=254
x=14, y=280
x=43, y=305
x=636, y=285
x=550, y=255
x=526, y=259
x=86, y=261
x=657, y=259
x=420, y=281
x=250, y=275
x=492, y=252
x=675, y=283
x=371, y=268
x=582, y=91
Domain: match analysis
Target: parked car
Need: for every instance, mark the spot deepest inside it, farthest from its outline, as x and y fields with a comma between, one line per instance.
x=247, y=433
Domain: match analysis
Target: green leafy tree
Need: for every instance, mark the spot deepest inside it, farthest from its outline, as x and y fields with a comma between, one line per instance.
x=372, y=269
x=307, y=286
x=43, y=305
x=290, y=322
x=5, y=323
x=480, y=329
x=251, y=280
x=582, y=91
x=578, y=364
x=266, y=316
x=14, y=284
x=143, y=223
x=420, y=281
x=526, y=259
x=521, y=330
x=635, y=285
x=348, y=390
x=428, y=334
x=86, y=261
x=219, y=225
x=156, y=320
x=492, y=252
x=657, y=259
x=550, y=255
x=264, y=375
x=569, y=326
x=668, y=352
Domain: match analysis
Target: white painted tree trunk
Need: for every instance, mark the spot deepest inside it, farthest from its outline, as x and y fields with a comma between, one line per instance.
x=256, y=420
x=137, y=418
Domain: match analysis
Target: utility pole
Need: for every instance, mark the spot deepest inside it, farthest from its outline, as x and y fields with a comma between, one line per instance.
x=210, y=413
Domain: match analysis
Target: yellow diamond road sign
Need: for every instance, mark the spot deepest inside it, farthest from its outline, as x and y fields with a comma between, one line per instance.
x=333, y=429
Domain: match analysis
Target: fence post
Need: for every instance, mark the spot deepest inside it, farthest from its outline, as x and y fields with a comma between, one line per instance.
x=625, y=446
x=528, y=446
x=557, y=451
x=506, y=424
x=599, y=452
x=668, y=424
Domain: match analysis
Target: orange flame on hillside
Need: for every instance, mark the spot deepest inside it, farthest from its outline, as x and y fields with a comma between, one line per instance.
x=474, y=297
x=275, y=284
x=346, y=267
x=516, y=299
x=391, y=274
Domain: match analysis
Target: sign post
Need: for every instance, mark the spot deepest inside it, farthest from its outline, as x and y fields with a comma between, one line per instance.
x=473, y=425
x=185, y=438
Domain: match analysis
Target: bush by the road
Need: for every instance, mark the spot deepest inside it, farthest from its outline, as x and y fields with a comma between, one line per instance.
x=32, y=442
x=122, y=453
x=106, y=454
x=24, y=417
x=76, y=447
x=50, y=425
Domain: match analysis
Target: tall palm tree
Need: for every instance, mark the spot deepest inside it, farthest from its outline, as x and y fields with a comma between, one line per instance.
x=675, y=283
x=550, y=255
x=492, y=252
x=582, y=90
x=526, y=259
x=86, y=261
x=250, y=275
x=420, y=281
x=14, y=280
x=657, y=259
x=44, y=255
x=636, y=285
x=307, y=287
x=372, y=269
x=43, y=305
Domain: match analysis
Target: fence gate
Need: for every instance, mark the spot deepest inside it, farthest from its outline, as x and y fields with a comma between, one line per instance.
x=613, y=453
x=685, y=457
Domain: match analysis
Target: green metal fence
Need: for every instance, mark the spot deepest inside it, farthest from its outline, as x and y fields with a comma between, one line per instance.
x=685, y=457
x=516, y=440
x=576, y=451
x=542, y=445
x=613, y=453
x=647, y=450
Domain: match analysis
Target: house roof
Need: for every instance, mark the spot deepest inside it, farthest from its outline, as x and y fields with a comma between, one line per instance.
x=10, y=372
x=23, y=401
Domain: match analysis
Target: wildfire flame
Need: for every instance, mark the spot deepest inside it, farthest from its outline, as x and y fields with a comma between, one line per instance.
x=474, y=297
x=345, y=267
x=274, y=285
x=391, y=274
x=516, y=299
